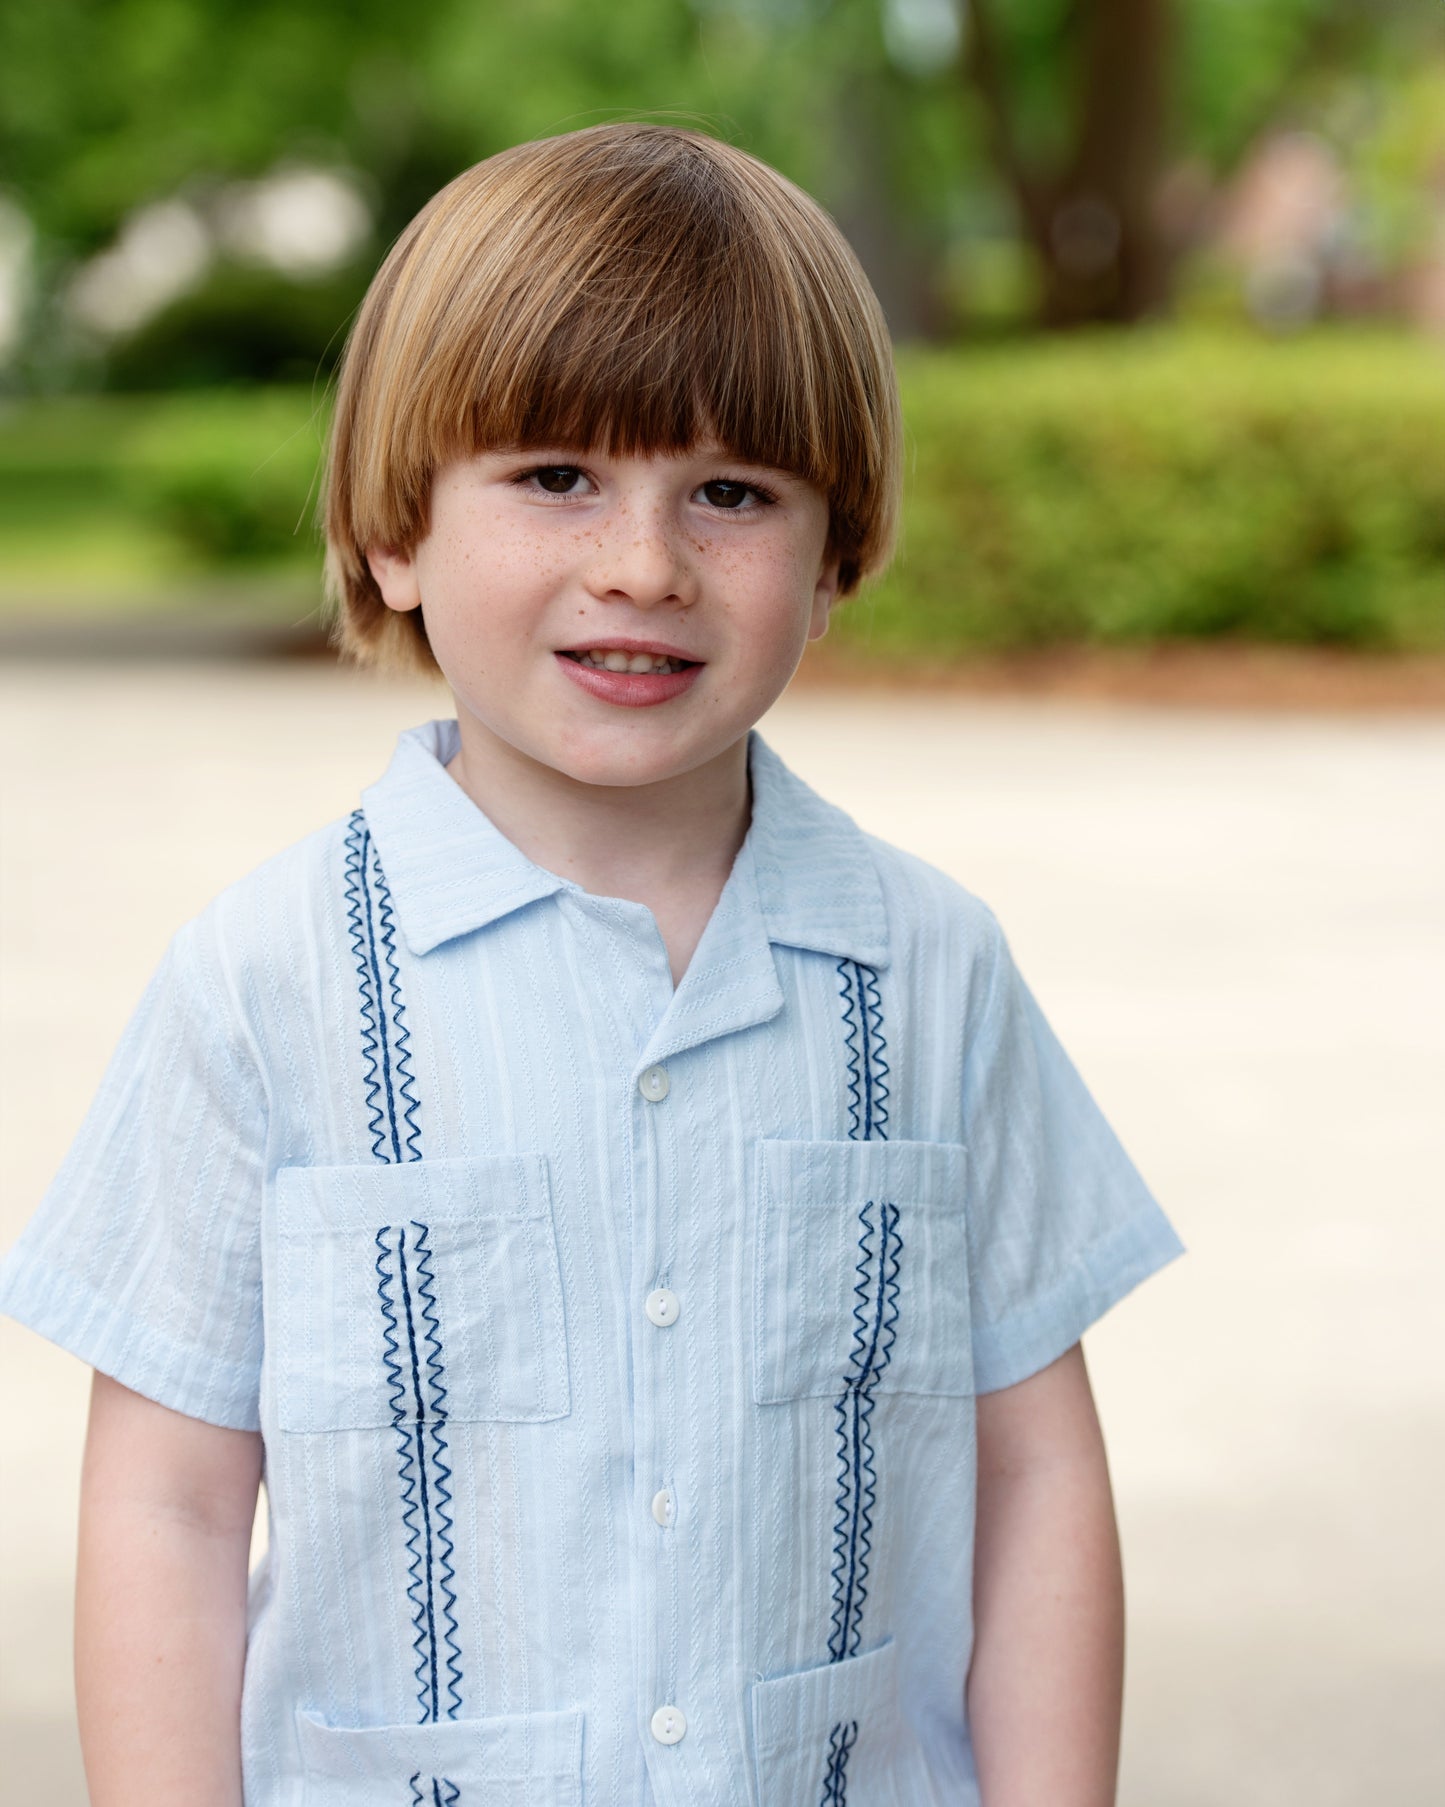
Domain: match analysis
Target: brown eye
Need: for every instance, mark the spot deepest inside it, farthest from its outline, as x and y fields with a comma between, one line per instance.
x=721, y=494
x=557, y=479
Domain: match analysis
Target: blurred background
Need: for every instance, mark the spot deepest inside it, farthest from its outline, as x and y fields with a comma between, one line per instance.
x=1168, y=277
x=1160, y=673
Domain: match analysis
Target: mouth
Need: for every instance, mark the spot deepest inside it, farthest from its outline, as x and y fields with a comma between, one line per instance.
x=638, y=658
x=632, y=674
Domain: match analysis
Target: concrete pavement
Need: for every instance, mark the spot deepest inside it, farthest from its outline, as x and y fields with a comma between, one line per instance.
x=1237, y=925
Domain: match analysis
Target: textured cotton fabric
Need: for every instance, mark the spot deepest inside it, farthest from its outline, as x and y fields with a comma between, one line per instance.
x=400, y=1151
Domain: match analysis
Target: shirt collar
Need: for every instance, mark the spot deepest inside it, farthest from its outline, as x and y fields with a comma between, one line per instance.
x=451, y=871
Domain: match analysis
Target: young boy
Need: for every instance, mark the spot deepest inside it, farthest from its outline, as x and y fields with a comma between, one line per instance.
x=641, y=1225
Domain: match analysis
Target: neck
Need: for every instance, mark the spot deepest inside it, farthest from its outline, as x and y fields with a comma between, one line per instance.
x=643, y=842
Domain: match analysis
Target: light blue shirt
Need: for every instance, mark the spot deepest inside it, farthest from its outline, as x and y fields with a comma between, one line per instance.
x=615, y=1347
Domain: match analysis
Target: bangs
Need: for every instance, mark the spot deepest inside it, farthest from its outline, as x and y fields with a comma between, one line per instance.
x=669, y=333
x=634, y=289
x=682, y=356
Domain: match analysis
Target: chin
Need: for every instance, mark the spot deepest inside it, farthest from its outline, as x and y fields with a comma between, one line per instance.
x=622, y=761
x=619, y=773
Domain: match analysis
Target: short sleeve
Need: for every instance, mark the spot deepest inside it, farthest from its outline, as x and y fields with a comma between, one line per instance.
x=143, y=1258
x=1060, y=1223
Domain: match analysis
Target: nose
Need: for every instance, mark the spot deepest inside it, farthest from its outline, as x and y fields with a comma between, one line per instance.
x=640, y=557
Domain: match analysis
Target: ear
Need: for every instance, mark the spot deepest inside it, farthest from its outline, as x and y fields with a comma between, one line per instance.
x=396, y=577
x=825, y=594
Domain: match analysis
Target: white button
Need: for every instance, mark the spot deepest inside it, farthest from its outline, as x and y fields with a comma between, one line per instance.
x=654, y=1084
x=668, y=1725
x=662, y=1307
x=662, y=1507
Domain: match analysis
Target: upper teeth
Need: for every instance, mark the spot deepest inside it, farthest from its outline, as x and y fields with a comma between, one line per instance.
x=613, y=659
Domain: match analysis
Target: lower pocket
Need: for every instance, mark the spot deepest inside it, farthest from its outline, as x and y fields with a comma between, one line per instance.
x=518, y=1761
x=831, y=1735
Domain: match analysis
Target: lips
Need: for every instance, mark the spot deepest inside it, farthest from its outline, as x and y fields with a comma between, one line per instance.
x=629, y=689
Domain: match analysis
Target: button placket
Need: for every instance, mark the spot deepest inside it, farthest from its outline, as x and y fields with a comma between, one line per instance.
x=662, y=1307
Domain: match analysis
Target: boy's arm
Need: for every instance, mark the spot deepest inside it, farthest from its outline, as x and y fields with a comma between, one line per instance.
x=166, y=1507
x=1045, y=1688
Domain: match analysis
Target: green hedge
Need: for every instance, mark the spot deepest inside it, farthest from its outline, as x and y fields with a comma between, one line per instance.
x=1159, y=486
x=157, y=487
x=234, y=477
x=1122, y=489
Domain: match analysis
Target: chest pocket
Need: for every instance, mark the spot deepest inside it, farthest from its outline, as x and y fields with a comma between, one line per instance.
x=414, y=1292
x=861, y=1280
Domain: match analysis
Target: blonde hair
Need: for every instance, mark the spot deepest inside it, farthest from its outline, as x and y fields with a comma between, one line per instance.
x=634, y=288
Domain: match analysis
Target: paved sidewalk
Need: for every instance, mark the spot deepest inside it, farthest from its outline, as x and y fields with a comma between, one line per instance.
x=1236, y=924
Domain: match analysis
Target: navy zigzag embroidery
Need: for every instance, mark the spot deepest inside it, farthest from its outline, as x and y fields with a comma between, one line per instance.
x=412, y=1356
x=840, y=1747
x=433, y=1791
x=875, y=1320
x=865, y=1044
x=417, y=1397
x=391, y=1101
x=875, y=1329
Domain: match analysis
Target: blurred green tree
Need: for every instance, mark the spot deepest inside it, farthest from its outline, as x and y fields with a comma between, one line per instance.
x=915, y=120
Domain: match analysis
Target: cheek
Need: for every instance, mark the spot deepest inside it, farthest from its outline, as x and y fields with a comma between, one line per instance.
x=766, y=577
x=489, y=576
x=775, y=595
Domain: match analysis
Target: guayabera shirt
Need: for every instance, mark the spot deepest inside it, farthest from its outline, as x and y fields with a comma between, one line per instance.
x=615, y=1346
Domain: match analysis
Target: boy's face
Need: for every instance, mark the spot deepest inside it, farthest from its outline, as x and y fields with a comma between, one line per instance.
x=540, y=568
